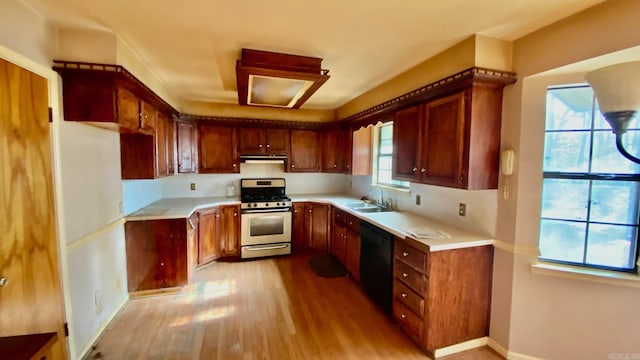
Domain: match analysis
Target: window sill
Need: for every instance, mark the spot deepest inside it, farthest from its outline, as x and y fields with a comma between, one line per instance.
x=590, y=275
x=390, y=189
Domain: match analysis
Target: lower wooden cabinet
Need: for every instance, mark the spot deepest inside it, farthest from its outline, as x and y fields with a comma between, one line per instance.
x=229, y=237
x=208, y=232
x=157, y=254
x=310, y=226
x=345, y=241
x=441, y=298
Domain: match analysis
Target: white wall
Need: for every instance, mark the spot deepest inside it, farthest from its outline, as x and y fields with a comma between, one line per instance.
x=26, y=32
x=439, y=203
x=137, y=194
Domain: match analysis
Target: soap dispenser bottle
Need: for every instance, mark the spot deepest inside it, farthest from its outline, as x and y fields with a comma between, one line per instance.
x=231, y=189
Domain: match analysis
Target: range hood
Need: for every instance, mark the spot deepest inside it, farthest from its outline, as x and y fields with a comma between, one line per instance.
x=263, y=159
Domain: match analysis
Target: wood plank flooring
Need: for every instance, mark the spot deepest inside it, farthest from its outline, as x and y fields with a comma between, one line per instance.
x=262, y=309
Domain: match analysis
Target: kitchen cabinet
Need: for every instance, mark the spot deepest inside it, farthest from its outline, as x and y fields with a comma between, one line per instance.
x=459, y=139
x=362, y=151
x=407, y=124
x=229, y=237
x=208, y=233
x=338, y=243
x=186, y=147
x=441, y=298
x=332, y=146
x=305, y=151
x=317, y=225
x=299, y=235
x=144, y=156
x=217, y=149
x=263, y=141
x=40, y=346
x=346, y=237
x=346, y=149
x=157, y=254
x=193, y=226
x=165, y=147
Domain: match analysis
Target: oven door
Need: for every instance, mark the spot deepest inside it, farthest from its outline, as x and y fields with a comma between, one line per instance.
x=265, y=227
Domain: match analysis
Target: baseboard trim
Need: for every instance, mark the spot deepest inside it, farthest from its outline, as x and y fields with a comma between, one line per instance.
x=97, y=233
x=102, y=328
x=463, y=346
x=511, y=355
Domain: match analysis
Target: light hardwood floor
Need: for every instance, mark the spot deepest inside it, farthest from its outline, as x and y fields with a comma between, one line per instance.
x=263, y=309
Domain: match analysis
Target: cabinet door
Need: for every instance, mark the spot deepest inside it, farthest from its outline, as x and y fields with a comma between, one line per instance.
x=217, y=146
x=443, y=141
x=171, y=251
x=251, y=141
x=362, y=145
x=230, y=230
x=171, y=146
x=317, y=223
x=128, y=107
x=353, y=253
x=406, y=132
x=346, y=149
x=147, y=118
x=331, y=151
x=338, y=242
x=299, y=236
x=277, y=141
x=209, y=229
x=305, y=151
x=137, y=156
x=186, y=145
x=192, y=242
x=161, y=146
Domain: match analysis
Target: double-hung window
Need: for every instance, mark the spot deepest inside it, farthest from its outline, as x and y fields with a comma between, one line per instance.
x=590, y=193
x=384, y=157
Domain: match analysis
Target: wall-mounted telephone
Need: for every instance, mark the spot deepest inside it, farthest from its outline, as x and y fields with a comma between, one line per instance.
x=506, y=161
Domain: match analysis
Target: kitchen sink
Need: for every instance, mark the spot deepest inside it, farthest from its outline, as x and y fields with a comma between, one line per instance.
x=372, y=209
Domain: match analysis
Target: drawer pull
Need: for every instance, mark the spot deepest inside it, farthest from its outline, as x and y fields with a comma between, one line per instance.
x=404, y=295
x=405, y=274
x=405, y=254
x=403, y=316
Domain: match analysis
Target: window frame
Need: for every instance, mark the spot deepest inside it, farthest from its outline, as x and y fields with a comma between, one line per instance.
x=377, y=133
x=634, y=251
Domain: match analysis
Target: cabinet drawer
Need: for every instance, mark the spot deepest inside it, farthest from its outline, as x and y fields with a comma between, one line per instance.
x=409, y=298
x=352, y=222
x=410, y=277
x=411, y=256
x=410, y=323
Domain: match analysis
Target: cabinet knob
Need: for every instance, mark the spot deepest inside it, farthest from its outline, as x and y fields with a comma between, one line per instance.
x=260, y=146
x=405, y=274
x=350, y=222
x=235, y=214
x=4, y=281
x=234, y=165
x=295, y=211
x=161, y=264
x=405, y=254
x=335, y=165
x=415, y=169
x=268, y=146
x=217, y=216
x=403, y=316
x=310, y=210
x=423, y=170
x=293, y=165
x=404, y=295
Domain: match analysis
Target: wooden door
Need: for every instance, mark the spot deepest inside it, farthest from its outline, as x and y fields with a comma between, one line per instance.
x=362, y=151
x=353, y=253
x=217, y=145
x=162, y=168
x=171, y=146
x=31, y=300
x=406, y=140
x=128, y=109
x=251, y=141
x=305, y=151
x=277, y=141
x=299, y=233
x=209, y=230
x=186, y=147
x=331, y=151
x=443, y=141
x=317, y=223
x=230, y=230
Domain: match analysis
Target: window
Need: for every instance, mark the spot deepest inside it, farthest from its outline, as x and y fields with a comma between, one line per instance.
x=384, y=158
x=590, y=192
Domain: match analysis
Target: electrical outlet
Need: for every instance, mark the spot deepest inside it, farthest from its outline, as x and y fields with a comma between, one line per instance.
x=462, y=209
x=96, y=298
x=193, y=186
x=417, y=199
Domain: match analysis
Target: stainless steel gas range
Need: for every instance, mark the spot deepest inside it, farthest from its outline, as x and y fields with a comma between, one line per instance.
x=265, y=218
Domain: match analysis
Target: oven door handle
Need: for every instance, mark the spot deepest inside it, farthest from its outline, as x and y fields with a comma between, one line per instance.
x=267, y=247
x=262, y=211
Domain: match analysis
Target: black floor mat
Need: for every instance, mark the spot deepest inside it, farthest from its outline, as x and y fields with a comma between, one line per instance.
x=327, y=266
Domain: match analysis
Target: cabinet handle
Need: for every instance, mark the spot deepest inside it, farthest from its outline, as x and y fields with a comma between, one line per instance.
x=403, y=316
x=235, y=214
x=310, y=210
x=295, y=211
x=461, y=179
x=4, y=281
x=217, y=216
x=293, y=165
x=335, y=165
x=404, y=295
x=405, y=274
x=260, y=146
x=161, y=264
x=268, y=146
x=415, y=169
x=423, y=170
x=234, y=165
x=405, y=254
x=350, y=222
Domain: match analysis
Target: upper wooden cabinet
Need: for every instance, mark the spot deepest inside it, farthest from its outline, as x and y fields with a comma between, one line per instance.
x=217, y=149
x=261, y=141
x=186, y=141
x=458, y=143
x=305, y=151
x=332, y=146
x=148, y=156
x=406, y=134
x=362, y=151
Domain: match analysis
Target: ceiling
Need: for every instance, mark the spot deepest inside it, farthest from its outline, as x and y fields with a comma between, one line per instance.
x=193, y=45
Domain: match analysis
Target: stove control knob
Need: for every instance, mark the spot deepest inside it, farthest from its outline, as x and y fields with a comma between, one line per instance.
x=266, y=205
x=255, y=205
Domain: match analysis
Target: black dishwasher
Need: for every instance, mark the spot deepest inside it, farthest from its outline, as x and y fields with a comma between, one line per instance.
x=376, y=264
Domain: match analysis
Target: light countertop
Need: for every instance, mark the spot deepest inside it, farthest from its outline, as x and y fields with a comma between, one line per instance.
x=395, y=222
